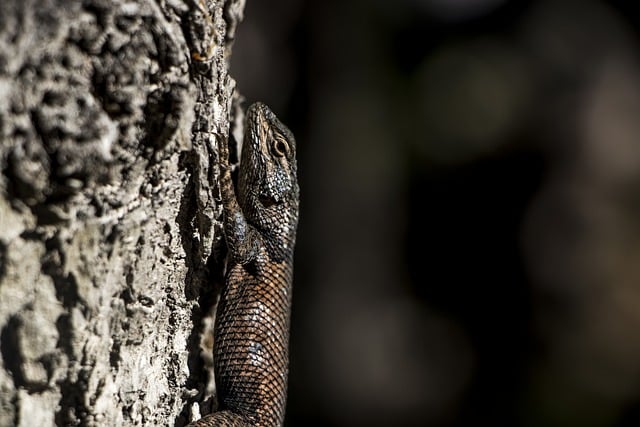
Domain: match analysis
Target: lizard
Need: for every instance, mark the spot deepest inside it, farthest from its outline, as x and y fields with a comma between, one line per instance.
x=251, y=332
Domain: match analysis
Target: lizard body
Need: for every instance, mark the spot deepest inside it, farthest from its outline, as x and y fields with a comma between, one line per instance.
x=251, y=337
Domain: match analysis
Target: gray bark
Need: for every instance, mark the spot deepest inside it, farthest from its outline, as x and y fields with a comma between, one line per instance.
x=109, y=111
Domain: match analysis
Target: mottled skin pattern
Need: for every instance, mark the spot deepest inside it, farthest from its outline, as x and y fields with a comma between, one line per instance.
x=251, y=344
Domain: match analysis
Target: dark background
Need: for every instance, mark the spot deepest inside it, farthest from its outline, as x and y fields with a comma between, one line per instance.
x=469, y=244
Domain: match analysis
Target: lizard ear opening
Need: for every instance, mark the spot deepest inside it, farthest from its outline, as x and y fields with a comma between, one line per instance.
x=267, y=202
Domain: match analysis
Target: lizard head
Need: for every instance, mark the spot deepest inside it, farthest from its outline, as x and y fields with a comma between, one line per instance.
x=267, y=181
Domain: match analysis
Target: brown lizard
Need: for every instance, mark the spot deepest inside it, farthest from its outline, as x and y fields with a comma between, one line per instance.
x=251, y=336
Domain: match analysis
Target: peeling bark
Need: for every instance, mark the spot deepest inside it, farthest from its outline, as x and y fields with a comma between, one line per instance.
x=109, y=229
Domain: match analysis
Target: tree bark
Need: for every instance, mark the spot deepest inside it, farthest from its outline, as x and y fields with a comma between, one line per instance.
x=109, y=220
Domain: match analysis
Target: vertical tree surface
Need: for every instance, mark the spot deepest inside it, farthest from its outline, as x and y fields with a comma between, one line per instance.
x=109, y=111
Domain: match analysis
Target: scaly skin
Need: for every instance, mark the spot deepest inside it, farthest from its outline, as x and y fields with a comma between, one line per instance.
x=251, y=338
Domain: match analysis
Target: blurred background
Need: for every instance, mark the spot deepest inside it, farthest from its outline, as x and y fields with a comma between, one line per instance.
x=469, y=243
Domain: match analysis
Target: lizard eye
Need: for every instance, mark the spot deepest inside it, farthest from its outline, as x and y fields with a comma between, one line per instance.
x=279, y=146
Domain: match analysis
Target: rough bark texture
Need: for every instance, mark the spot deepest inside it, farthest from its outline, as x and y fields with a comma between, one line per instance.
x=108, y=116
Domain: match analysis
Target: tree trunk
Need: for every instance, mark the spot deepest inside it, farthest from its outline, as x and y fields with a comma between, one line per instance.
x=109, y=220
